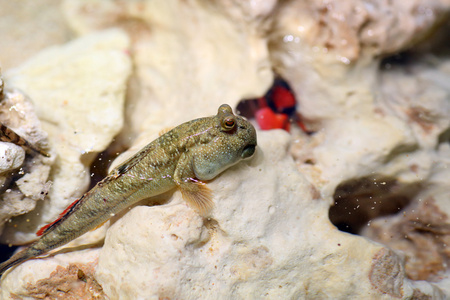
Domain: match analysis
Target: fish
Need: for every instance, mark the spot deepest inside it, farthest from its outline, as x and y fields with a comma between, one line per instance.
x=10, y=136
x=185, y=157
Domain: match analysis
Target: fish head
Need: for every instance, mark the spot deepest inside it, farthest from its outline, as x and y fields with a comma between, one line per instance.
x=232, y=139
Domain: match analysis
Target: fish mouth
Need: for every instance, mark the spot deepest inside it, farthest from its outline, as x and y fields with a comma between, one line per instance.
x=248, y=151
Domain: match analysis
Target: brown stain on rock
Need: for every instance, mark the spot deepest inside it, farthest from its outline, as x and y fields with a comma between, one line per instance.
x=387, y=274
x=423, y=117
x=418, y=295
x=75, y=282
x=422, y=233
x=251, y=262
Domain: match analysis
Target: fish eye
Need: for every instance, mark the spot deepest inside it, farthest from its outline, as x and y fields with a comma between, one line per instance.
x=228, y=123
x=248, y=151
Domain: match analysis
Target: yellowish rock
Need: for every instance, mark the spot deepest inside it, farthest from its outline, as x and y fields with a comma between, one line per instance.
x=268, y=237
x=78, y=91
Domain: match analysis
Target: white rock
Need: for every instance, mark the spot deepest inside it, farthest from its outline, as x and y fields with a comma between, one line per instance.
x=11, y=157
x=330, y=52
x=368, y=118
x=41, y=25
x=21, y=196
x=356, y=147
x=40, y=276
x=371, y=121
x=268, y=237
x=419, y=98
x=420, y=232
x=189, y=58
x=78, y=90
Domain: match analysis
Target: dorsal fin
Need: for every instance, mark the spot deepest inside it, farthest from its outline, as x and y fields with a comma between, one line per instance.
x=133, y=160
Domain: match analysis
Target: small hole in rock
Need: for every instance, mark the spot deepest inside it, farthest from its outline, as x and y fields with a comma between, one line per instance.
x=397, y=60
x=398, y=215
x=360, y=200
x=6, y=252
x=444, y=137
x=100, y=165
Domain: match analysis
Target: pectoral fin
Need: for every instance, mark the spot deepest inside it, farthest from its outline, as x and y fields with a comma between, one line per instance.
x=194, y=191
x=198, y=196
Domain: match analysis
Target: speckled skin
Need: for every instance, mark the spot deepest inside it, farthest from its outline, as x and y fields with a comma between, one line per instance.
x=191, y=152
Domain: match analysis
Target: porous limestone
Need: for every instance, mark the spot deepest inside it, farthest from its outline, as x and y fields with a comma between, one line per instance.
x=269, y=235
x=78, y=93
x=31, y=171
x=422, y=231
x=12, y=157
x=28, y=27
x=330, y=51
x=66, y=276
x=189, y=57
x=378, y=123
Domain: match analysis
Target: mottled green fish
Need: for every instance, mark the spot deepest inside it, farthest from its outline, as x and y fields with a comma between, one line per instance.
x=184, y=157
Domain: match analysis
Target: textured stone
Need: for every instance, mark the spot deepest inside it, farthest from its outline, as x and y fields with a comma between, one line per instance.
x=269, y=235
x=189, y=57
x=381, y=127
x=31, y=171
x=254, y=244
x=11, y=157
x=21, y=22
x=78, y=92
x=66, y=276
x=422, y=230
x=339, y=45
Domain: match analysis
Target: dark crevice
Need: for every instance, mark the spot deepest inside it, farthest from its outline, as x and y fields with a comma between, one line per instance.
x=400, y=150
x=401, y=59
x=100, y=165
x=6, y=251
x=360, y=200
x=444, y=137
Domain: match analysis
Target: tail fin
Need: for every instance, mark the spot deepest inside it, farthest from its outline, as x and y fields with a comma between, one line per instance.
x=17, y=259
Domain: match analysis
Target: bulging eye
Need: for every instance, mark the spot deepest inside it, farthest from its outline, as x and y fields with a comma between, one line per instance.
x=228, y=123
x=248, y=151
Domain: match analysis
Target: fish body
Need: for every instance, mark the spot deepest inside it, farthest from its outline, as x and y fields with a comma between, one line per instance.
x=182, y=158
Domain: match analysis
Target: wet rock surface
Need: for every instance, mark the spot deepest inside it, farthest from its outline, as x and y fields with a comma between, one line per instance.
x=372, y=85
